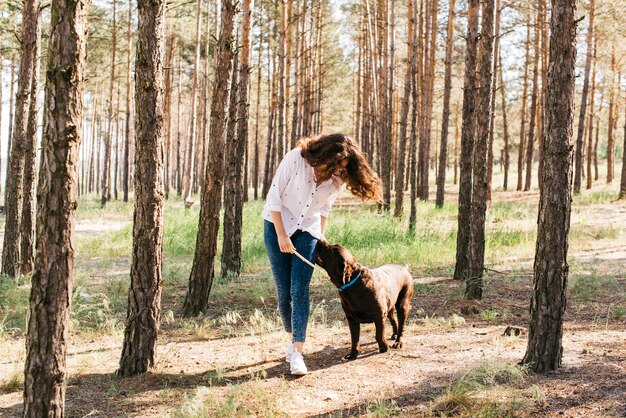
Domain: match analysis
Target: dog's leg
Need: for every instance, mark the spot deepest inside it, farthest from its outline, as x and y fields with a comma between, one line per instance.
x=402, y=307
x=380, y=334
x=394, y=323
x=355, y=333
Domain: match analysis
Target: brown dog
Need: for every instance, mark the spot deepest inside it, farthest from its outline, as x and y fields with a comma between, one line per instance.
x=368, y=295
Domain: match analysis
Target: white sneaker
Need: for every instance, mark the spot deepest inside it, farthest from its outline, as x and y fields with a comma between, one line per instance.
x=298, y=367
x=289, y=353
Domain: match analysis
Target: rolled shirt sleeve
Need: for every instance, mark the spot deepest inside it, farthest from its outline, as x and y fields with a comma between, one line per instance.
x=285, y=171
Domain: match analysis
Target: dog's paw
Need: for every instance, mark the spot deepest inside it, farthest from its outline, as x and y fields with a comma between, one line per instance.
x=352, y=355
x=383, y=348
x=398, y=344
x=393, y=337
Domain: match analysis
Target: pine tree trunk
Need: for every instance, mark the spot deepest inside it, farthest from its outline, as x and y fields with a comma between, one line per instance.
x=413, y=141
x=610, y=151
x=1, y=113
x=167, y=111
x=474, y=283
x=126, y=162
x=468, y=132
x=144, y=296
x=427, y=108
x=384, y=127
x=10, y=135
x=505, y=128
x=494, y=86
x=591, y=116
x=255, y=176
x=622, y=186
x=578, y=159
x=191, y=139
x=202, y=272
x=544, y=351
x=116, y=148
x=106, y=168
x=11, y=265
x=404, y=112
x=233, y=186
x=530, y=142
x=522, y=135
x=281, y=80
x=443, y=154
x=27, y=256
x=51, y=290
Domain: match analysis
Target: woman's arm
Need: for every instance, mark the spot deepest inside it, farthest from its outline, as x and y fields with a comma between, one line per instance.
x=284, y=242
x=323, y=226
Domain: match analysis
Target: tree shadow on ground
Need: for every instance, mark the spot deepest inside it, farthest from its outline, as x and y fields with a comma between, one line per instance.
x=105, y=394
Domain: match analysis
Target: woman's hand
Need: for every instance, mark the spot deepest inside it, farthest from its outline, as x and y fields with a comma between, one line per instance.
x=285, y=244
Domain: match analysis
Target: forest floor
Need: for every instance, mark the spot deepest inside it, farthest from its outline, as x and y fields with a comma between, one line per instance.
x=456, y=360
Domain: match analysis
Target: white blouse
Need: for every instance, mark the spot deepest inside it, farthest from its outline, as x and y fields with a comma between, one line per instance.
x=295, y=195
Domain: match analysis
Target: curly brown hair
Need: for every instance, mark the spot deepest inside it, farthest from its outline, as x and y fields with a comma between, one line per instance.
x=326, y=153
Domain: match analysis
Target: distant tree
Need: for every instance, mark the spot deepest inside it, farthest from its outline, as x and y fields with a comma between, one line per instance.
x=15, y=171
x=534, y=99
x=578, y=159
x=191, y=139
x=544, y=351
x=202, y=271
x=505, y=129
x=591, y=114
x=51, y=290
x=108, y=139
x=610, y=151
x=146, y=276
x=126, y=149
x=622, y=186
x=27, y=224
x=10, y=133
x=233, y=184
x=468, y=132
x=522, y=135
x=404, y=113
x=443, y=154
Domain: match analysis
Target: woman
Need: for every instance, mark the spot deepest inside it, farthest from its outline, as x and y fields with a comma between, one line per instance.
x=303, y=190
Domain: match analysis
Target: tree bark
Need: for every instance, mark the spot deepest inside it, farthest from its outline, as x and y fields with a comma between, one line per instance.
x=126, y=158
x=233, y=186
x=106, y=168
x=494, y=86
x=578, y=159
x=404, y=112
x=505, y=128
x=530, y=142
x=11, y=265
x=51, y=291
x=27, y=224
x=189, y=154
x=522, y=135
x=610, y=147
x=201, y=277
x=468, y=132
x=474, y=283
x=622, y=187
x=144, y=296
x=591, y=117
x=255, y=176
x=10, y=136
x=544, y=351
x=443, y=154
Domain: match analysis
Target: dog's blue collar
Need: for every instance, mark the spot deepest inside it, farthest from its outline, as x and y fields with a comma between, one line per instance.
x=350, y=283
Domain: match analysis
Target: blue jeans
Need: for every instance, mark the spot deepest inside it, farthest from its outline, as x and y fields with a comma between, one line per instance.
x=292, y=277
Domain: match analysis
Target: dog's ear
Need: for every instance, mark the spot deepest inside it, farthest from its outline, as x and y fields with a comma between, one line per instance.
x=347, y=273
